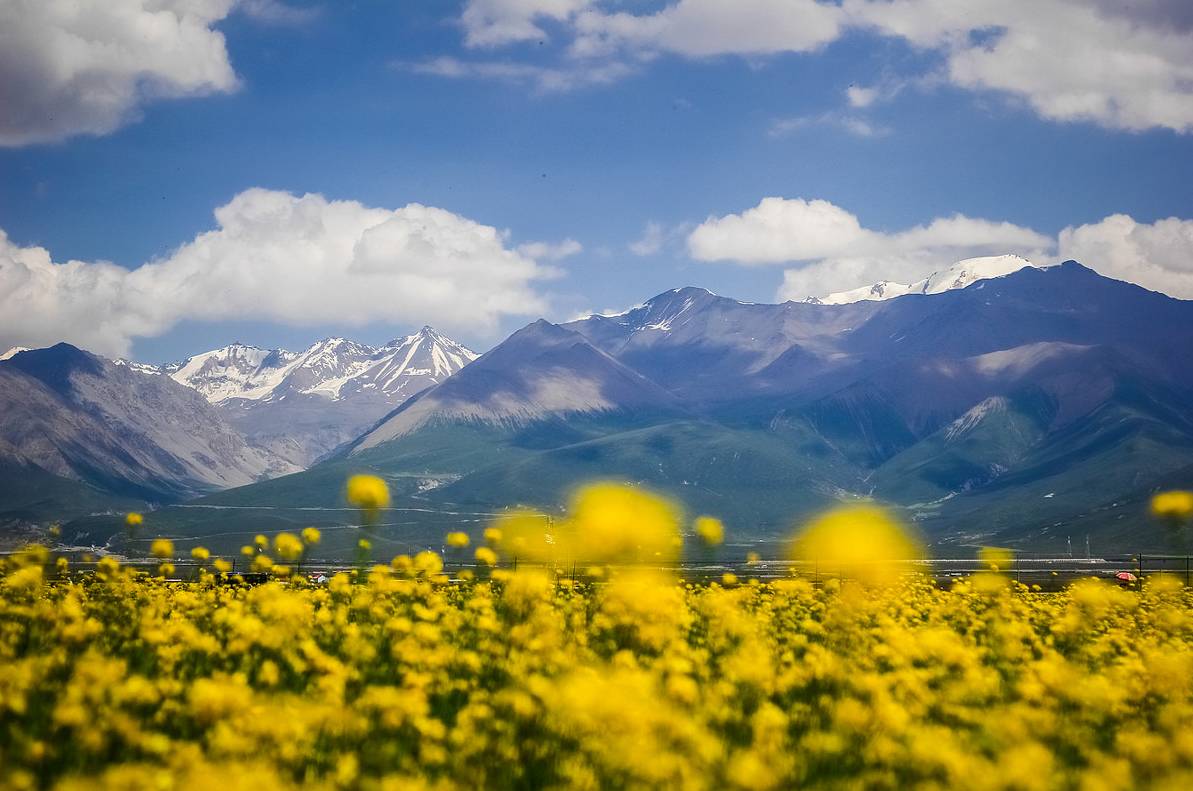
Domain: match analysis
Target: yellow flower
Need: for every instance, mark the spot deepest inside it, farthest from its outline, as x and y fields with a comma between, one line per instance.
x=133, y=519
x=248, y=551
x=428, y=563
x=486, y=556
x=457, y=539
x=262, y=563
x=525, y=534
x=526, y=590
x=261, y=541
x=860, y=541
x=162, y=548
x=493, y=535
x=288, y=546
x=200, y=554
x=364, y=545
x=1174, y=506
x=728, y=579
x=616, y=523
x=222, y=565
x=368, y=493
x=996, y=558
x=710, y=530
x=310, y=536
x=26, y=580
x=165, y=570
x=752, y=558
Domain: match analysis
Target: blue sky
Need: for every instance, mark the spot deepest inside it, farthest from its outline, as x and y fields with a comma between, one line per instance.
x=387, y=104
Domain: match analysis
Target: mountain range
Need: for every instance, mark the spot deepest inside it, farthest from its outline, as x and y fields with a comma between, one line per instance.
x=998, y=403
x=80, y=433
x=300, y=406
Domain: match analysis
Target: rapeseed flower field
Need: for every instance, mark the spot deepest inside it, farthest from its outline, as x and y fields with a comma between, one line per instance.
x=399, y=676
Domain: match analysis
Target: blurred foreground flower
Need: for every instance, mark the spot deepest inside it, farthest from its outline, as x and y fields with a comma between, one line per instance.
x=368, y=493
x=996, y=558
x=288, y=546
x=524, y=534
x=162, y=548
x=859, y=541
x=710, y=530
x=606, y=523
x=616, y=523
x=992, y=579
x=1174, y=507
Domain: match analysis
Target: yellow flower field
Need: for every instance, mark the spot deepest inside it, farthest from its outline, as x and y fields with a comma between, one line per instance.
x=398, y=677
x=641, y=682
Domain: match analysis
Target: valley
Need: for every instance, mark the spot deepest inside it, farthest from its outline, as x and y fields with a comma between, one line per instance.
x=1033, y=408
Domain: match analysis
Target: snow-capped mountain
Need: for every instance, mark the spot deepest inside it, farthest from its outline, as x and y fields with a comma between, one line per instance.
x=235, y=371
x=959, y=275
x=300, y=405
x=14, y=351
x=334, y=368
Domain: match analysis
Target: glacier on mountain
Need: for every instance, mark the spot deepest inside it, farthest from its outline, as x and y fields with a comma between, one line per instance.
x=960, y=275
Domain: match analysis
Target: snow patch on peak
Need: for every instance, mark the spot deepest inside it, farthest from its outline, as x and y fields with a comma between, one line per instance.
x=970, y=420
x=234, y=371
x=13, y=352
x=663, y=323
x=333, y=368
x=960, y=275
x=884, y=289
x=142, y=368
x=969, y=271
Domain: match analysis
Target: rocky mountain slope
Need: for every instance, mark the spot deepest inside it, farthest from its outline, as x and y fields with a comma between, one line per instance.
x=541, y=372
x=118, y=428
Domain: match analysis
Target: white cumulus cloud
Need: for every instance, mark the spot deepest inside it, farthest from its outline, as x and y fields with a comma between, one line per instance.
x=1122, y=65
x=1118, y=64
x=837, y=252
x=71, y=67
x=489, y=23
x=826, y=248
x=1155, y=255
x=274, y=256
